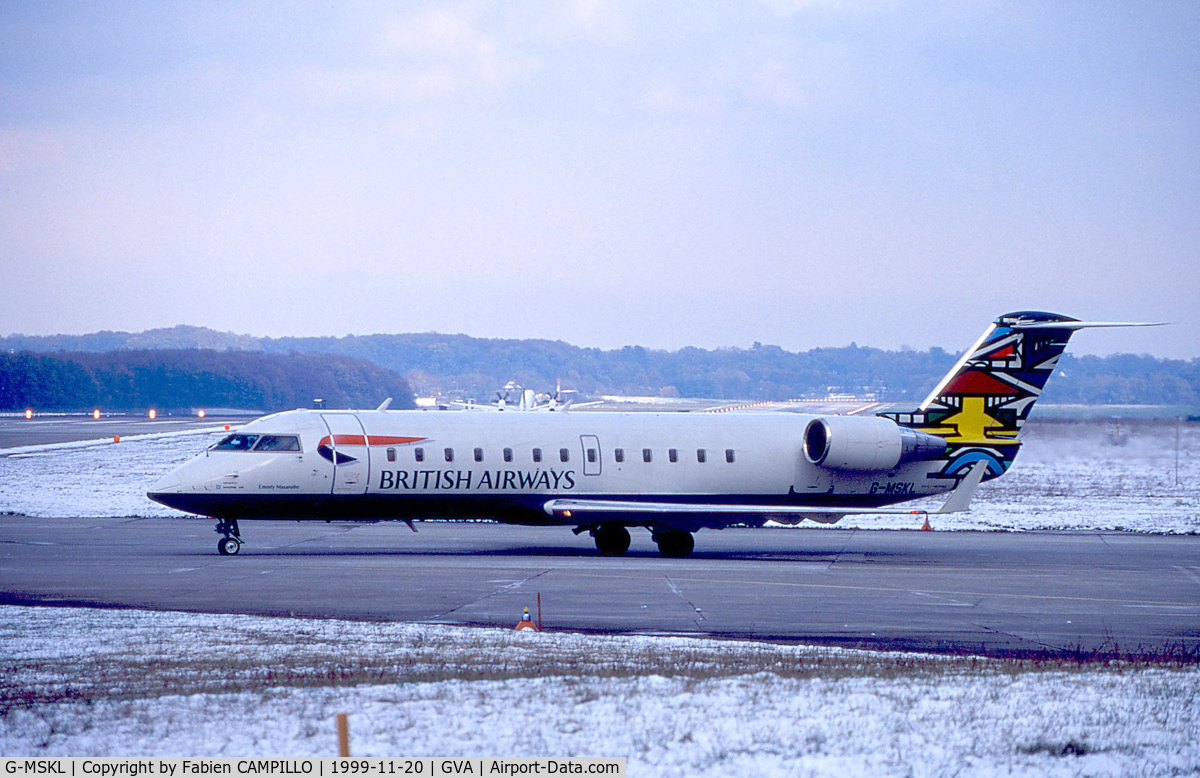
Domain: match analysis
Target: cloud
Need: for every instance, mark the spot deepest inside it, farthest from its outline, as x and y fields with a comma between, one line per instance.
x=444, y=33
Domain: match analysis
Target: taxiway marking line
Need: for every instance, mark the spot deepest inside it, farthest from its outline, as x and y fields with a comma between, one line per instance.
x=894, y=590
x=1189, y=574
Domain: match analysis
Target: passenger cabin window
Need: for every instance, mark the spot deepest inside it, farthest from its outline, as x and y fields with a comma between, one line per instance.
x=278, y=443
x=647, y=455
x=673, y=454
x=537, y=455
x=619, y=454
x=478, y=455
x=391, y=454
x=701, y=455
x=508, y=455
x=564, y=455
x=236, y=443
x=449, y=455
x=729, y=455
x=591, y=454
x=419, y=454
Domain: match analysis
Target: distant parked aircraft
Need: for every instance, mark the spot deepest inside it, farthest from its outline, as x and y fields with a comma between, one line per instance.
x=514, y=397
x=672, y=473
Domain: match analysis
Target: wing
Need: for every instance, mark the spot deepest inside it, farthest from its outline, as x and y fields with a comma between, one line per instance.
x=569, y=508
x=826, y=514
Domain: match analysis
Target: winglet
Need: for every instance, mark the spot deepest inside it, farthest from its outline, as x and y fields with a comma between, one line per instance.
x=960, y=498
x=383, y=406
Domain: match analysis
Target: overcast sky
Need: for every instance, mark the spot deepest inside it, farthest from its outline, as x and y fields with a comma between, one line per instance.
x=798, y=173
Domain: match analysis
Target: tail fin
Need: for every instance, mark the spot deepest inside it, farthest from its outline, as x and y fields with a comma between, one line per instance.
x=981, y=405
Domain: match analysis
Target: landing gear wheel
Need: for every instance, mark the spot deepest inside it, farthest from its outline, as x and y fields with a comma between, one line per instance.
x=612, y=539
x=675, y=543
x=231, y=540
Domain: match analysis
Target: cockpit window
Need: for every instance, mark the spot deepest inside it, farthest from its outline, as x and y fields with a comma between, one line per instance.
x=278, y=443
x=237, y=442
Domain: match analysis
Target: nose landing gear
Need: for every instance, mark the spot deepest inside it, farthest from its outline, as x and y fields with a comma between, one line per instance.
x=231, y=540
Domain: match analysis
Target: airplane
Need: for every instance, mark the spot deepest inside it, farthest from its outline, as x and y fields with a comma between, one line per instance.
x=673, y=473
x=526, y=400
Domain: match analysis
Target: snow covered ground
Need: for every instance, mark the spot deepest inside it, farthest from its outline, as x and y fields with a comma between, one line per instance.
x=1091, y=475
x=1069, y=475
x=86, y=682
x=101, y=478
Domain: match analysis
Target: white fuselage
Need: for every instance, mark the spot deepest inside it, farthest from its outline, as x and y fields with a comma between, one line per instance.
x=506, y=465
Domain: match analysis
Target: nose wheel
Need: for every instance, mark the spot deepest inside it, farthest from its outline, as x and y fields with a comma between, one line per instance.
x=231, y=540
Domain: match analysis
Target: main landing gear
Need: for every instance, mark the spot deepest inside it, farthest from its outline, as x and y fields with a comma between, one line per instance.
x=674, y=542
x=613, y=540
x=231, y=540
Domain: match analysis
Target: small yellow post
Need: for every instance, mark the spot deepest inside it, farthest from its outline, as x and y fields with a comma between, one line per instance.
x=343, y=726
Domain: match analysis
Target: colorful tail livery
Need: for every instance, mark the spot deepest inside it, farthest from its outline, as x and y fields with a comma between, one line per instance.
x=981, y=405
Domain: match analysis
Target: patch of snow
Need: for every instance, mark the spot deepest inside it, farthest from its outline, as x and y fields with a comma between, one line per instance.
x=97, y=480
x=858, y=713
x=1086, y=476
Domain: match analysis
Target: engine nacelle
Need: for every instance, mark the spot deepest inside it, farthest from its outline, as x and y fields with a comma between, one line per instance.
x=866, y=443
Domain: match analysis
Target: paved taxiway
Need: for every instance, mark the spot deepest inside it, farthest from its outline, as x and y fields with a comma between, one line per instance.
x=16, y=430
x=997, y=593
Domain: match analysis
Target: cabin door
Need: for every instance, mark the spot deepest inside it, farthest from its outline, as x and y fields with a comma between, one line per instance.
x=591, y=454
x=351, y=457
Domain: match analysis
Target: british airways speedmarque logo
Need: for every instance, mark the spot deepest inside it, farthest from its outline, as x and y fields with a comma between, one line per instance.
x=331, y=446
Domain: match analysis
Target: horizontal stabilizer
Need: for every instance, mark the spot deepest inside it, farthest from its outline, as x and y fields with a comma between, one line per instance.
x=1081, y=325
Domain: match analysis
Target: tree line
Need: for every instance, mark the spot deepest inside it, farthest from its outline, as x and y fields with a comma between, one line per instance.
x=466, y=367
x=194, y=378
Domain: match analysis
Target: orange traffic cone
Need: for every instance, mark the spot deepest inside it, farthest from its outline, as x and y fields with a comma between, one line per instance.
x=526, y=622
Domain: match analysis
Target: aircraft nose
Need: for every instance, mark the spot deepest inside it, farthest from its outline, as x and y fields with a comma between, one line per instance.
x=182, y=478
x=168, y=483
